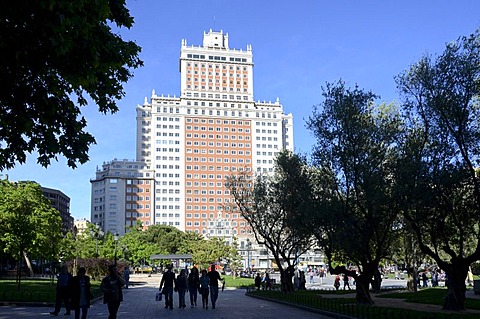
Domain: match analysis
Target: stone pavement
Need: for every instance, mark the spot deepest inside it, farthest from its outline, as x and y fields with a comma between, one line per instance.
x=139, y=302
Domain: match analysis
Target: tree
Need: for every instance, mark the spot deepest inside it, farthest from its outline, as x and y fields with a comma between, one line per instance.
x=28, y=223
x=440, y=184
x=272, y=205
x=207, y=251
x=355, y=156
x=67, y=50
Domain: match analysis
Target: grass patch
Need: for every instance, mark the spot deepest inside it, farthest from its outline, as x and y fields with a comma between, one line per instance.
x=238, y=282
x=35, y=290
x=350, y=307
x=432, y=296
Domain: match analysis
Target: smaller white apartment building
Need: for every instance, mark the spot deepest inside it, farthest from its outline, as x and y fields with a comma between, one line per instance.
x=122, y=193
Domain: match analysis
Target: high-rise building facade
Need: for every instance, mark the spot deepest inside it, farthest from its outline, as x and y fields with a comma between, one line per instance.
x=214, y=128
x=122, y=194
x=61, y=203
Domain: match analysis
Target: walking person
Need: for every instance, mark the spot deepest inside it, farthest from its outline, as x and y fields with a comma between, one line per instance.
x=181, y=287
x=81, y=294
x=126, y=276
x=311, y=274
x=424, y=279
x=111, y=287
x=258, y=281
x=345, y=282
x=167, y=283
x=193, y=285
x=214, y=278
x=336, y=283
x=303, y=281
x=204, y=288
x=64, y=282
x=267, y=282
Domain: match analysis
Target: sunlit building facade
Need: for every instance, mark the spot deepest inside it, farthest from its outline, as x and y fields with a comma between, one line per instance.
x=213, y=129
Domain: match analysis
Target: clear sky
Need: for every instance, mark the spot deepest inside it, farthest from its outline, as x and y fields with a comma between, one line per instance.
x=297, y=46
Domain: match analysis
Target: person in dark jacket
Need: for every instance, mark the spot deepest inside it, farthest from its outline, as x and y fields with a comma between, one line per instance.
x=63, y=291
x=214, y=278
x=258, y=281
x=167, y=284
x=111, y=287
x=193, y=285
x=181, y=287
x=81, y=294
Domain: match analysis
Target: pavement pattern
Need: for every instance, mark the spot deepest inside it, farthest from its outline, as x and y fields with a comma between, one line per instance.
x=139, y=302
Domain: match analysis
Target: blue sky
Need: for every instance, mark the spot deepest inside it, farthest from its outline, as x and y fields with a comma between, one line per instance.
x=297, y=46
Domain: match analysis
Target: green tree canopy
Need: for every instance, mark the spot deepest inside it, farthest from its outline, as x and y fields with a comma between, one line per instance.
x=273, y=205
x=28, y=223
x=438, y=182
x=54, y=52
x=355, y=157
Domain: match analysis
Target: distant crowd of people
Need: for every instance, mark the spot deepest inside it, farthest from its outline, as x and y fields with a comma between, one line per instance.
x=205, y=283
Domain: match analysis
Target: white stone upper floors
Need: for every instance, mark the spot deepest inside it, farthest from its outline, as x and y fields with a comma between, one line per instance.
x=111, y=195
x=214, y=67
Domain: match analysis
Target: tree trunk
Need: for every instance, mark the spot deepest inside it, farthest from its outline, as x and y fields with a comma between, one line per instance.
x=412, y=279
x=286, y=276
x=362, y=281
x=362, y=289
x=455, y=299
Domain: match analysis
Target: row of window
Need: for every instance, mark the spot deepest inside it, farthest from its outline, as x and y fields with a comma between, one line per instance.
x=267, y=146
x=168, y=166
x=263, y=138
x=267, y=153
x=204, y=200
x=167, y=142
x=171, y=134
x=168, y=119
x=217, y=66
x=258, y=131
x=217, y=96
x=171, y=183
x=170, y=150
x=167, y=190
x=217, y=136
x=207, y=192
x=165, y=175
x=218, y=113
x=167, y=158
x=171, y=215
x=137, y=198
x=165, y=207
x=210, y=159
x=137, y=206
x=171, y=127
x=137, y=182
x=224, y=89
x=137, y=190
x=165, y=199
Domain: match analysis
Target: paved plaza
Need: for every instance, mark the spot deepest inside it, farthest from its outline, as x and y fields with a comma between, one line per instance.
x=139, y=302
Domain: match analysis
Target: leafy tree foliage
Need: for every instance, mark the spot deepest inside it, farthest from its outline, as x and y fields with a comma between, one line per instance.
x=272, y=206
x=28, y=223
x=439, y=181
x=54, y=54
x=355, y=157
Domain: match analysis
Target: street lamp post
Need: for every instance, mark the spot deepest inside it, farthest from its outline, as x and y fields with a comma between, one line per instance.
x=115, y=239
x=249, y=246
x=97, y=233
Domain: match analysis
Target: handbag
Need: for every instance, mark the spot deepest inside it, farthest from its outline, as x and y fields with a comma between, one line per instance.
x=158, y=296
